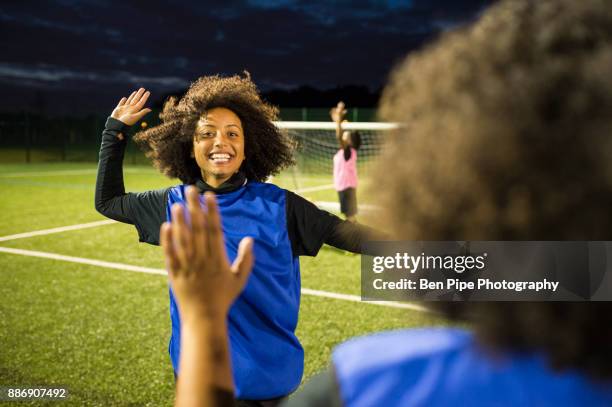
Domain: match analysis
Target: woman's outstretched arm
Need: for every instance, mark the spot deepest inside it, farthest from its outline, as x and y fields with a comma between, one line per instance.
x=338, y=114
x=146, y=210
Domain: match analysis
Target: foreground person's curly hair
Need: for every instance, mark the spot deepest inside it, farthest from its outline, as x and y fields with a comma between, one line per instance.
x=508, y=130
x=170, y=145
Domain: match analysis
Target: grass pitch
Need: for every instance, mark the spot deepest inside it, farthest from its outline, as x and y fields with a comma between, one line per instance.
x=103, y=333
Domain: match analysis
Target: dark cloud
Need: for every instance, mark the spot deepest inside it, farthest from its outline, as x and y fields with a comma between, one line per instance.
x=102, y=49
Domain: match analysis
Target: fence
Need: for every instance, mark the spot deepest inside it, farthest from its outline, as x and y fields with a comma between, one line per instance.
x=27, y=137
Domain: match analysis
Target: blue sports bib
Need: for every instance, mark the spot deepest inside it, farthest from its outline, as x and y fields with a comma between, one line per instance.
x=445, y=367
x=267, y=358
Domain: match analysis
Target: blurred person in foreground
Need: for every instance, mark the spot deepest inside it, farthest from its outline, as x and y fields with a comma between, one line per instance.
x=510, y=138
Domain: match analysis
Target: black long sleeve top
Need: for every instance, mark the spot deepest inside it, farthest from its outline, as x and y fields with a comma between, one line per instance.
x=308, y=226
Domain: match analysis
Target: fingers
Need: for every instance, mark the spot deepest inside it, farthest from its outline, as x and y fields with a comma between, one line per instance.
x=181, y=236
x=140, y=102
x=142, y=113
x=341, y=109
x=244, y=260
x=200, y=248
x=130, y=98
x=213, y=225
x=165, y=235
x=198, y=222
x=135, y=103
x=122, y=101
x=137, y=96
x=339, y=112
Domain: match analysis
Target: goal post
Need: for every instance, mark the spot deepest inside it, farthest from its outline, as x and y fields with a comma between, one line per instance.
x=317, y=145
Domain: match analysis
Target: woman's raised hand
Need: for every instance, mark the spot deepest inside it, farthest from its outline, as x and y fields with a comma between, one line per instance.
x=129, y=110
x=338, y=113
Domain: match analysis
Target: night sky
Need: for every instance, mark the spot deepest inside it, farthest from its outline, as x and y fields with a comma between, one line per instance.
x=82, y=56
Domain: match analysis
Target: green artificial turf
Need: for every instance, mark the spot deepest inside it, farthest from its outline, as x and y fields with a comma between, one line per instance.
x=103, y=333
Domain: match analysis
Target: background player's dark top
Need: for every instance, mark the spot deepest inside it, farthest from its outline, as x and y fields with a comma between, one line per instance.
x=308, y=226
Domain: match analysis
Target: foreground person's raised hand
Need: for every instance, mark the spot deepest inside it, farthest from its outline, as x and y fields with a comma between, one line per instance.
x=202, y=278
x=205, y=285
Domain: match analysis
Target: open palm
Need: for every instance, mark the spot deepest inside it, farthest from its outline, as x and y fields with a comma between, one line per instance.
x=338, y=113
x=130, y=110
x=202, y=278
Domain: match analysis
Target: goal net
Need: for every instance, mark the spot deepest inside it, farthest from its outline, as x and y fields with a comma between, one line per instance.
x=317, y=145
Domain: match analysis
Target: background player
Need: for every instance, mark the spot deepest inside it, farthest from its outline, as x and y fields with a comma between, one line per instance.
x=345, y=164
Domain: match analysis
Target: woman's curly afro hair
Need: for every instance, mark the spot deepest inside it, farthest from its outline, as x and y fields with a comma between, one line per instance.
x=508, y=127
x=170, y=145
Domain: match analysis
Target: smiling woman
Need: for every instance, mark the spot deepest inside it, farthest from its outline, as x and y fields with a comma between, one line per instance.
x=218, y=145
x=220, y=137
x=171, y=145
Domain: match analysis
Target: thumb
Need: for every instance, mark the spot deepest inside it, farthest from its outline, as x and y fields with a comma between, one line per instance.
x=244, y=260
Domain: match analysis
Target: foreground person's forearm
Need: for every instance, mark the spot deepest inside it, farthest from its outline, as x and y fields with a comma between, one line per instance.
x=205, y=377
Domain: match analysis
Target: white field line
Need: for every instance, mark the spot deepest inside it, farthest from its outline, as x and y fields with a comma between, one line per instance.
x=356, y=298
x=57, y=230
x=335, y=206
x=149, y=270
x=289, y=177
x=81, y=260
x=329, y=125
x=317, y=188
x=322, y=204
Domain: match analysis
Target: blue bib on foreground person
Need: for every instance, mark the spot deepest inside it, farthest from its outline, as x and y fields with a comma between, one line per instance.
x=267, y=358
x=443, y=367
